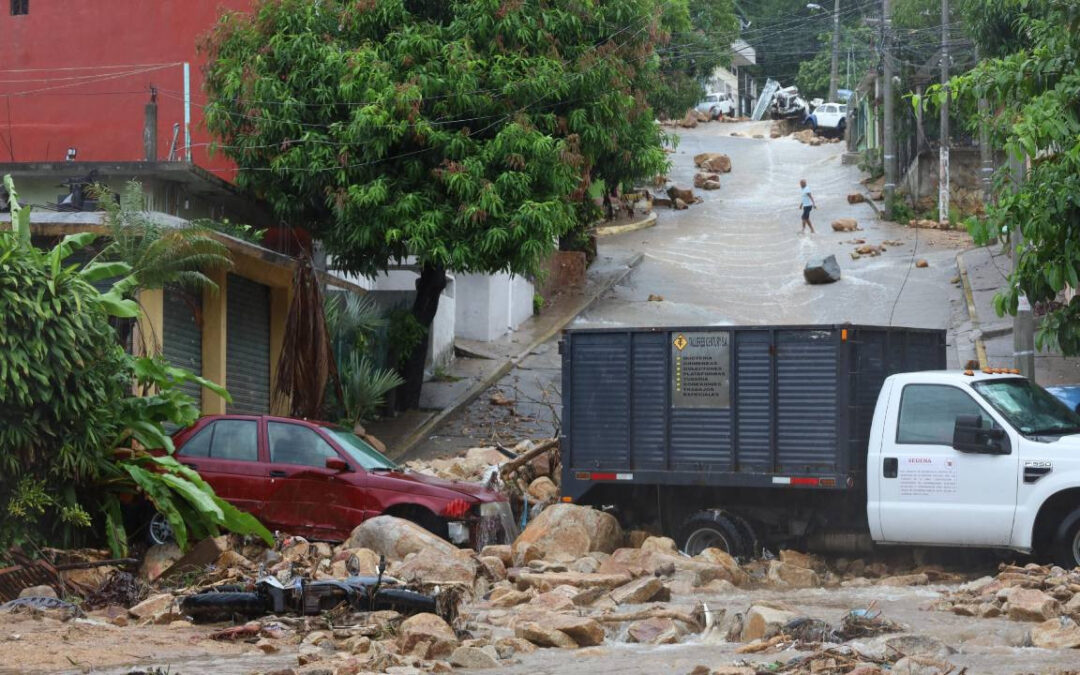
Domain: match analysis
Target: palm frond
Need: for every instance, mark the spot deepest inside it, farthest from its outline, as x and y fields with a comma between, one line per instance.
x=364, y=386
x=159, y=255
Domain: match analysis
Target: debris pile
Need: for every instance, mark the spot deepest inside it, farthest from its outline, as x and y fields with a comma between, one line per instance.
x=1046, y=596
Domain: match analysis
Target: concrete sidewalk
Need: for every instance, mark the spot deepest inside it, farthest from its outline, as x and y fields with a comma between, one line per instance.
x=987, y=338
x=479, y=365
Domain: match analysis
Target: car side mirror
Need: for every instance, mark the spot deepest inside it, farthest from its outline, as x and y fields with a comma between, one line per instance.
x=969, y=435
x=336, y=464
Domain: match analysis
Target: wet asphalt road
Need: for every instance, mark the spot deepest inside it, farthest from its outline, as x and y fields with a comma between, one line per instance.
x=737, y=258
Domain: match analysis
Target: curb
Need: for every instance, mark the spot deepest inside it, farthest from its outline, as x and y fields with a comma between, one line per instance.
x=410, y=441
x=608, y=230
x=969, y=297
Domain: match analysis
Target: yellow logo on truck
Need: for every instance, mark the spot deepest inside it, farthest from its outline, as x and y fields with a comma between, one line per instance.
x=680, y=342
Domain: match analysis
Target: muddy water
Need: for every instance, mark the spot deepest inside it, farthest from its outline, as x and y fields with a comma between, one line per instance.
x=738, y=256
x=984, y=646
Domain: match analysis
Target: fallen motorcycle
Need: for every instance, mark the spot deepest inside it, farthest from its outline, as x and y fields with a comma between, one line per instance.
x=298, y=596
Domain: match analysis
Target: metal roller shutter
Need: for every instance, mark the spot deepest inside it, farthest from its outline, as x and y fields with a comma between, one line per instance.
x=181, y=342
x=247, y=339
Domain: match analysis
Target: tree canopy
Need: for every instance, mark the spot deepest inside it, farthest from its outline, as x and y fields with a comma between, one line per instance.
x=1033, y=90
x=462, y=135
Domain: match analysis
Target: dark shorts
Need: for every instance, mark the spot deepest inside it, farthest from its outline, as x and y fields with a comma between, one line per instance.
x=806, y=212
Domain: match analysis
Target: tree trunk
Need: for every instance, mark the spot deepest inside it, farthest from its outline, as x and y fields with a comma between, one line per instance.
x=429, y=287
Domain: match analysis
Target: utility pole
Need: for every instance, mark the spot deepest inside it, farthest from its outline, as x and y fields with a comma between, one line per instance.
x=1024, y=321
x=986, y=155
x=943, y=164
x=834, y=73
x=887, y=101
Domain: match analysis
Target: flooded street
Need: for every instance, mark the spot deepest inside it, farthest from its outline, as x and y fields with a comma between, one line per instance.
x=983, y=646
x=737, y=258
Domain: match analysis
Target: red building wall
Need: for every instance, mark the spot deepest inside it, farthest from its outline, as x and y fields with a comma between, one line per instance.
x=77, y=73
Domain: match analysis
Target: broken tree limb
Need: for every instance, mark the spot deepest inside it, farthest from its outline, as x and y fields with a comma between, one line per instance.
x=525, y=457
x=655, y=613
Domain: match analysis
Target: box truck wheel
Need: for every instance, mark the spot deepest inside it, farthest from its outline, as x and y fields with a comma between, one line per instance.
x=712, y=529
x=1067, y=541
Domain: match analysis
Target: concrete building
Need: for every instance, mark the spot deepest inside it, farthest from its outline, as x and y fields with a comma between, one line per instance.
x=232, y=336
x=119, y=89
x=737, y=80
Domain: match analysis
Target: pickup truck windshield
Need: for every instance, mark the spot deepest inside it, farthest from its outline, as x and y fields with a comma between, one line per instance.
x=1028, y=407
x=365, y=455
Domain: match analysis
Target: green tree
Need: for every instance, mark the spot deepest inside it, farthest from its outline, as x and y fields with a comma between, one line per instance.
x=1033, y=90
x=701, y=33
x=460, y=135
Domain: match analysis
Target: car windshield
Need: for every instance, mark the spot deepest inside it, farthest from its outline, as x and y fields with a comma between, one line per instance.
x=365, y=455
x=1029, y=407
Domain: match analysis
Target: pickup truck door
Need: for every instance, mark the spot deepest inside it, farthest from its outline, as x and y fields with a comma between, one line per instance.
x=929, y=493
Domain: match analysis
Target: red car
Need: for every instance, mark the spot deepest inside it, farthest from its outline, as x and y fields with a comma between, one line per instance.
x=320, y=481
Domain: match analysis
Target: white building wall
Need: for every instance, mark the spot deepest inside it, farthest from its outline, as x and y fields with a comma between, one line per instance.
x=491, y=305
x=400, y=282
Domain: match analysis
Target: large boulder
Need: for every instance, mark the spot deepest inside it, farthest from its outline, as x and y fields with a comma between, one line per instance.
x=473, y=658
x=764, y=620
x=154, y=607
x=700, y=179
x=720, y=557
x=566, y=532
x=674, y=193
x=544, y=636
x=581, y=629
x=637, y=591
x=1028, y=604
x=548, y=580
x=822, y=270
x=713, y=161
x=793, y=576
x=1061, y=633
x=430, y=633
x=396, y=538
x=159, y=558
x=435, y=567
x=656, y=631
x=800, y=559
x=543, y=489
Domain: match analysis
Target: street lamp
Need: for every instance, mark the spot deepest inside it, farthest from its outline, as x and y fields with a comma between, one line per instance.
x=834, y=69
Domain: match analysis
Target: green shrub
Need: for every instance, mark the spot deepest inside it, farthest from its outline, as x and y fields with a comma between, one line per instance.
x=74, y=439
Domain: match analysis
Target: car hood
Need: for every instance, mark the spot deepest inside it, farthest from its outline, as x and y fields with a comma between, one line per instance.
x=477, y=491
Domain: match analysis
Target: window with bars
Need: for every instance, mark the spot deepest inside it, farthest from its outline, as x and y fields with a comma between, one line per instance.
x=20, y=7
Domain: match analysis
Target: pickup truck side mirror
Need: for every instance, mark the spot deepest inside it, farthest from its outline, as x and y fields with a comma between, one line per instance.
x=969, y=435
x=336, y=464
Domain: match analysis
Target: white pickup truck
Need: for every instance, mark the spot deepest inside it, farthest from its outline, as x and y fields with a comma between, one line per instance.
x=717, y=104
x=827, y=437
x=985, y=460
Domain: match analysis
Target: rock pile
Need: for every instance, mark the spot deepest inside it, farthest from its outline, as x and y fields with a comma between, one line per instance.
x=1046, y=596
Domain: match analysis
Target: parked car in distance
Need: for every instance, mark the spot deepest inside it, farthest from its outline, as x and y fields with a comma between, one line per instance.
x=828, y=117
x=320, y=481
x=717, y=104
x=1069, y=394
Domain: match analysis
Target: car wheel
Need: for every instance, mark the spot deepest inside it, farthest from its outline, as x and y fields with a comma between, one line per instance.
x=712, y=529
x=1066, y=546
x=159, y=531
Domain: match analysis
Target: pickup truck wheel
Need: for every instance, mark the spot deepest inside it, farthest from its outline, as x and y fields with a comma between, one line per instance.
x=1067, y=541
x=712, y=529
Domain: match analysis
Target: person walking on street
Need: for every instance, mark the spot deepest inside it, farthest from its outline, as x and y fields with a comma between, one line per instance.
x=806, y=205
